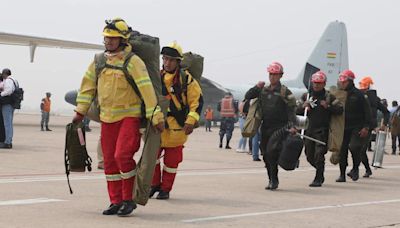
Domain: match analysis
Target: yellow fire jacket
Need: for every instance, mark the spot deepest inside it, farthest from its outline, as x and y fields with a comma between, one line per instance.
x=175, y=136
x=117, y=99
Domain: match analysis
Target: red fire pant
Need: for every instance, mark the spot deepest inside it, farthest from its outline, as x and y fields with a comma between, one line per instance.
x=172, y=158
x=120, y=141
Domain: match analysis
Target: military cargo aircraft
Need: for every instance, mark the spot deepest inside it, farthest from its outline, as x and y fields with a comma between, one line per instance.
x=329, y=55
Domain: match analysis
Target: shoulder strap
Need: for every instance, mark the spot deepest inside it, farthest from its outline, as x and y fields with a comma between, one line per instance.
x=283, y=91
x=101, y=63
x=328, y=97
x=16, y=85
x=129, y=77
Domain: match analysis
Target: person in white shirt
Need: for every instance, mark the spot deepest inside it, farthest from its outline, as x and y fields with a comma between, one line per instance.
x=7, y=109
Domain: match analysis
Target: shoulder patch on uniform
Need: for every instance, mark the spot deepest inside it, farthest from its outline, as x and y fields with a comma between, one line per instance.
x=335, y=102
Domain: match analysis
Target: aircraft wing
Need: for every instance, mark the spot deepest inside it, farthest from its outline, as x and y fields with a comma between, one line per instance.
x=34, y=41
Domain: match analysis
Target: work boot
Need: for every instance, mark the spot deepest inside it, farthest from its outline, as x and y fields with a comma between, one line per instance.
x=342, y=177
x=153, y=190
x=220, y=145
x=48, y=129
x=274, y=184
x=163, y=195
x=269, y=185
x=355, y=175
x=368, y=173
x=112, y=209
x=319, y=178
x=127, y=207
x=41, y=128
x=227, y=144
x=274, y=178
x=350, y=174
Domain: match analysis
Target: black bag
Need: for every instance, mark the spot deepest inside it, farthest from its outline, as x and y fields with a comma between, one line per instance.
x=290, y=153
x=17, y=96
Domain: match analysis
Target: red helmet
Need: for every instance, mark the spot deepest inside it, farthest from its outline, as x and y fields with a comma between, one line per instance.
x=318, y=77
x=275, y=68
x=346, y=75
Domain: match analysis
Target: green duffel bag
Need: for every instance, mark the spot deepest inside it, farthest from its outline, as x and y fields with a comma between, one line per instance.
x=76, y=157
x=194, y=63
x=253, y=119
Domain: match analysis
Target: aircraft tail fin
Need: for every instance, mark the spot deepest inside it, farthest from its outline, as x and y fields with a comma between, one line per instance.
x=330, y=56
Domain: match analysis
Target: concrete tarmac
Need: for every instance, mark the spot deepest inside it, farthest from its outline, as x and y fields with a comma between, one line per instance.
x=214, y=188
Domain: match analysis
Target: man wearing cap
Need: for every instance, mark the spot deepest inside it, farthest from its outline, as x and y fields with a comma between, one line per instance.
x=320, y=106
x=278, y=106
x=122, y=108
x=185, y=104
x=228, y=108
x=45, y=108
x=357, y=124
x=375, y=104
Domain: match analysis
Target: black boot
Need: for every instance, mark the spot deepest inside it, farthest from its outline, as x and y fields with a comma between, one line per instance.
x=342, y=177
x=227, y=145
x=112, y=209
x=319, y=178
x=153, y=190
x=274, y=178
x=162, y=195
x=127, y=207
x=350, y=174
x=355, y=175
x=48, y=129
x=269, y=185
x=368, y=173
x=41, y=127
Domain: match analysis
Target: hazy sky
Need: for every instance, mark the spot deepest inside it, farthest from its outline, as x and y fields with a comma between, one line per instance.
x=237, y=38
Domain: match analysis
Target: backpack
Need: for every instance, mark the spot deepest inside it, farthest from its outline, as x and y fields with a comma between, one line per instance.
x=17, y=96
x=395, y=123
x=76, y=157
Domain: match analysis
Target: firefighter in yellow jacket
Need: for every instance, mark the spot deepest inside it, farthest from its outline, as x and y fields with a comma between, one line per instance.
x=186, y=101
x=120, y=111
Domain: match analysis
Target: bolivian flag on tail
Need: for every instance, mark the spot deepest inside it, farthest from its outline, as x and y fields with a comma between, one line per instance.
x=331, y=55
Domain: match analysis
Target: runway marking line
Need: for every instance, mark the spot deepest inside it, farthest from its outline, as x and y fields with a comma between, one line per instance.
x=304, y=209
x=29, y=201
x=46, y=178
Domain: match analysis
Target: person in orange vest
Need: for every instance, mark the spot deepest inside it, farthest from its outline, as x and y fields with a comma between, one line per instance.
x=45, y=108
x=228, y=109
x=186, y=102
x=122, y=108
x=209, y=115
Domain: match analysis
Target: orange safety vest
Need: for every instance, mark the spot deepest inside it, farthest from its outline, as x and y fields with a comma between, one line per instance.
x=46, y=104
x=227, y=108
x=209, y=114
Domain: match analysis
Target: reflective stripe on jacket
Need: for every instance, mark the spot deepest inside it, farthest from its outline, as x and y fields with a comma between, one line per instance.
x=227, y=107
x=117, y=99
x=174, y=136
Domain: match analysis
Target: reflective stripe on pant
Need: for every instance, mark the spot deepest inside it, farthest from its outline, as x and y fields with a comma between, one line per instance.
x=172, y=158
x=119, y=142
